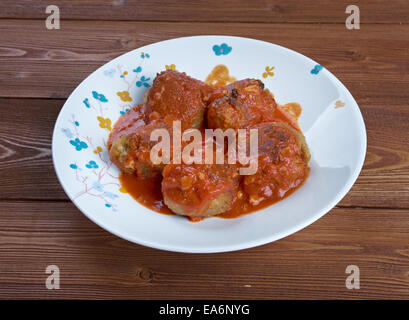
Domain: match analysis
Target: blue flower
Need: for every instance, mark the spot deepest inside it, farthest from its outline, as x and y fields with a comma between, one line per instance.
x=76, y=123
x=123, y=112
x=145, y=55
x=110, y=72
x=78, y=144
x=99, y=96
x=107, y=205
x=86, y=102
x=73, y=166
x=316, y=69
x=222, y=49
x=123, y=74
x=139, y=69
x=98, y=186
x=67, y=132
x=92, y=165
x=110, y=195
x=143, y=82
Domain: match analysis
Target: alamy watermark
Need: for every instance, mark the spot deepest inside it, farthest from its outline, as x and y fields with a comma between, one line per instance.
x=352, y=281
x=352, y=21
x=53, y=20
x=203, y=149
x=53, y=280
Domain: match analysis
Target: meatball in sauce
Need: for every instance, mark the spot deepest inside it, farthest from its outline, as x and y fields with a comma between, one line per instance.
x=199, y=190
x=282, y=163
x=176, y=96
x=239, y=105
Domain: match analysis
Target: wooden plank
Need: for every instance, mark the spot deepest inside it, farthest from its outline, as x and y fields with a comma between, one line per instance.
x=96, y=264
x=26, y=168
x=372, y=62
x=385, y=176
x=27, y=172
x=322, y=11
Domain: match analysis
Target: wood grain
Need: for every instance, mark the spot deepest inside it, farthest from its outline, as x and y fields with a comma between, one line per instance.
x=372, y=62
x=26, y=168
x=96, y=264
x=321, y=11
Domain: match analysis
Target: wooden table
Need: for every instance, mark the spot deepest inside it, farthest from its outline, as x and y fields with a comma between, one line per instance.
x=39, y=226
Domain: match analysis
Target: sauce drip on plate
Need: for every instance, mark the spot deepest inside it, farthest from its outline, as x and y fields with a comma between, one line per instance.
x=146, y=191
x=219, y=76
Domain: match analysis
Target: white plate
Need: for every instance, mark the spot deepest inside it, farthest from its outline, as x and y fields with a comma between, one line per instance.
x=336, y=137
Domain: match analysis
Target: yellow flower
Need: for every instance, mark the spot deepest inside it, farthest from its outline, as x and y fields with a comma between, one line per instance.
x=98, y=150
x=123, y=190
x=339, y=104
x=268, y=72
x=105, y=123
x=124, y=95
x=171, y=67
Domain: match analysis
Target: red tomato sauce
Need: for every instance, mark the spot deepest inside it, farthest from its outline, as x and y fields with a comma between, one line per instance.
x=147, y=191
